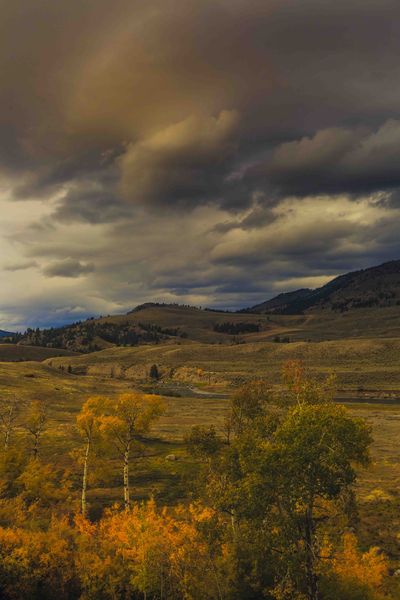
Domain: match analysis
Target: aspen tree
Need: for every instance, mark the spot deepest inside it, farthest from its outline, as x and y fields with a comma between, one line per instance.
x=35, y=424
x=87, y=423
x=10, y=408
x=124, y=422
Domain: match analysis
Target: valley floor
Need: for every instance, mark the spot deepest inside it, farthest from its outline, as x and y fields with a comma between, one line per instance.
x=64, y=394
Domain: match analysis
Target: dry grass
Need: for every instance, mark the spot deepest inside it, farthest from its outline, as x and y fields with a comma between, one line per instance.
x=382, y=322
x=16, y=353
x=367, y=363
x=379, y=486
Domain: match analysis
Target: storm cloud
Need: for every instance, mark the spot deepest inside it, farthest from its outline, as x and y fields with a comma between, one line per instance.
x=67, y=268
x=209, y=152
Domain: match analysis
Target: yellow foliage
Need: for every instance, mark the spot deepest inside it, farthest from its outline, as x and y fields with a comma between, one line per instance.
x=161, y=553
x=29, y=558
x=130, y=414
x=350, y=564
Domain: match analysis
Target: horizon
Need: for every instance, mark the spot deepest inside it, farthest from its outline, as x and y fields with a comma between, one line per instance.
x=162, y=303
x=213, y=154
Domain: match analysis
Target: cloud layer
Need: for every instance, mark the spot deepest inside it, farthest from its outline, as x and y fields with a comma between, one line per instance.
x=212, y=152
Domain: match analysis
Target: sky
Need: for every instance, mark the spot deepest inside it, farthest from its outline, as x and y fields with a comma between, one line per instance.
x=205, y=152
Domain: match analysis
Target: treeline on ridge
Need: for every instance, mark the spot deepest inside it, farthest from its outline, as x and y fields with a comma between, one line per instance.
x=87, y=336
x=236, y=328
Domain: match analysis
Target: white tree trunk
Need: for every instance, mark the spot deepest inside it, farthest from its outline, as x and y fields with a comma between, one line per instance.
x=126, y=478
x=8, y=427
x=84, y=479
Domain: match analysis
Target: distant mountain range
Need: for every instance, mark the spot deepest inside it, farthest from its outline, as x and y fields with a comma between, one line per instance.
x=303, y=313
x=369, y=288
x=5, y=333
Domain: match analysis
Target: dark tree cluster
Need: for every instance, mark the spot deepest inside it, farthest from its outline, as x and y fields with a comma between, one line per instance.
x=236, y=328
x=90, y=335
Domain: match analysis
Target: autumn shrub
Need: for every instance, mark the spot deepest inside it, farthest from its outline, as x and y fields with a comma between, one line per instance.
x=185, y=553
x=150, y=553
x=38, y=565
x=351, y=574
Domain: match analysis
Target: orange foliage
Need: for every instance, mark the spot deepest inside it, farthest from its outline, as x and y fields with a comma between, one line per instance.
x=31, y=560
x=145, y=552
x=369, y=568
x=159, y=553
x=354, y=569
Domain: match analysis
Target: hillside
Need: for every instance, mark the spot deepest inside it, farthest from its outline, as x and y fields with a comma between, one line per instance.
x=19, y=353
x=357, y=363
x=376, y=287
x=152, y=324
x=281, y=303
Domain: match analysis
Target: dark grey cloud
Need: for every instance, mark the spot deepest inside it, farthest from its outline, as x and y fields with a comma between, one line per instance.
x=336, y=160
x=20, y=266
x=84, y=81
x=210, y=151
x=68, y=267
x=182, y=164
x=90, y=204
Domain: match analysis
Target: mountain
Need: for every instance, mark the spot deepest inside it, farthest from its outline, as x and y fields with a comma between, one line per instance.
x=282, y=302
x=4, y=334
x=375, y=287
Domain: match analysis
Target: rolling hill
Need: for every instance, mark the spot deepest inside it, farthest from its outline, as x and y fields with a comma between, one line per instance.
x=153, y=324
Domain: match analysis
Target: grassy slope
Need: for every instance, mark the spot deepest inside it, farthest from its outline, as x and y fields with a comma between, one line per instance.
x=365, y=362
x=322, y=325
x=198, y=326
x=318, y=326
x=359, y=323
x=15, y=353
x=197, y=323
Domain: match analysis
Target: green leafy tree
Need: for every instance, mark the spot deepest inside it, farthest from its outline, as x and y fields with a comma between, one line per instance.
x=284, y=474
x=248, y=404
x=311, y=462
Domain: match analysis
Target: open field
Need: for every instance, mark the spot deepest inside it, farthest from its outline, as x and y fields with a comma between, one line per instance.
x=358, y=363
x=378, y=487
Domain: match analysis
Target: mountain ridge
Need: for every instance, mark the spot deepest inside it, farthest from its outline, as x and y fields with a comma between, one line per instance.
x=5, y=333
x=376, y=286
